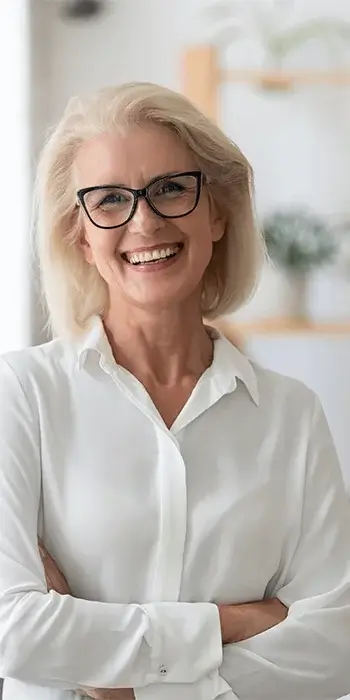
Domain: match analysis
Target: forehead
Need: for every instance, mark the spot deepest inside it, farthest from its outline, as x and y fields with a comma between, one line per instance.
x=131, y=157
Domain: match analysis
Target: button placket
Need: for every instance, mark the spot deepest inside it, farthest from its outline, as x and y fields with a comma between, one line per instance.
x=172, y=494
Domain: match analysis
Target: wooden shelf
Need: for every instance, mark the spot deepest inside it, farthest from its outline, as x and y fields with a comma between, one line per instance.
x=284, y=80
x=202, y=76
x=282, y=326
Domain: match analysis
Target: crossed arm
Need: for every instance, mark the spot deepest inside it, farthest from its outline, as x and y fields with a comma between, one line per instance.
x=238, y=622
x=306, y=656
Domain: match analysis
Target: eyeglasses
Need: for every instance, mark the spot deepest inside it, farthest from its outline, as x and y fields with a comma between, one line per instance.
x=170, y=196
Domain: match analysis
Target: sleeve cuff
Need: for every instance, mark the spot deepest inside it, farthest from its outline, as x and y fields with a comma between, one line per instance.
x=213, y=687
x=185, y=639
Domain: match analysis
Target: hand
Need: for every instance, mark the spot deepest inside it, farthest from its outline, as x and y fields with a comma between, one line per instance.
x=54, y=578
x=56, y=581
x=109, y=694
x=240, y=622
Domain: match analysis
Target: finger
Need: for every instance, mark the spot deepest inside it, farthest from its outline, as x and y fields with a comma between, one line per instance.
x=58, y=589
x=57, y=583
x=91, y=693
x=45, y=555
x=43, y=552
x=54, y=578
x=50, y=570
x=49, y=563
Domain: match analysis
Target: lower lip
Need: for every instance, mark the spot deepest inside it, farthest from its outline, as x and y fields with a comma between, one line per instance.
x=157, y=266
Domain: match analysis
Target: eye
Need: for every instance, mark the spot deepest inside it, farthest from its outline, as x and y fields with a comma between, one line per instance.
x=169, y=188
x=113, y=199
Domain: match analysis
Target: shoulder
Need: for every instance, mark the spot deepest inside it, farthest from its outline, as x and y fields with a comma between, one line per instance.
x=281, y=387
x=37, y=365
x=283, y=395
x=272, y=393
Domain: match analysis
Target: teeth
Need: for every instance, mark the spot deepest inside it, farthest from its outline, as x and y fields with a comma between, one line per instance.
x=150, y=255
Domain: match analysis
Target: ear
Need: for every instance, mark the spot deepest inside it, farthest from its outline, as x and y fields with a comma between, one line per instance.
x=85, y=247
x=217, y=222
x=217, y=230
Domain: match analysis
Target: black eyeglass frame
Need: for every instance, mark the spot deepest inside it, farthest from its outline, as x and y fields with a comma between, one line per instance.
x=139, y=194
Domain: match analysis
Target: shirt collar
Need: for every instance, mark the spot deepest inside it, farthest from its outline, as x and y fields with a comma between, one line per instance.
x=95, y=340
x=229, y=364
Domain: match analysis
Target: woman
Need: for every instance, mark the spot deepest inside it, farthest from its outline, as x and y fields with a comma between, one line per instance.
x=189, y=498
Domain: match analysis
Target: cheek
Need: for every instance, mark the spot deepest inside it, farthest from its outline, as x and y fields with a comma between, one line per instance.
x=201, y=237
x=99, y=245
x=200, y=247
x=200, y=227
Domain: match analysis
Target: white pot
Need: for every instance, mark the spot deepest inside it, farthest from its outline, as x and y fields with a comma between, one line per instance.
x=279, y=295
x=328, y=297
x=295, y=298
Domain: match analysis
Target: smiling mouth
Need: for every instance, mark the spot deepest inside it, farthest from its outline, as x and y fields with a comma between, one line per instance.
x=152, y=257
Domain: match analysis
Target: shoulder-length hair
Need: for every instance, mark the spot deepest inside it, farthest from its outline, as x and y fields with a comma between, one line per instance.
x=73, y=290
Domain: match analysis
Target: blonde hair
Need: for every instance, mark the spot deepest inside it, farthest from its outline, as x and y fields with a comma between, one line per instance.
x=73, y=290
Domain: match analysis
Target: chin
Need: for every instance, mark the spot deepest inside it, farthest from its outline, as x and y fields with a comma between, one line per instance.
x=164, y=300
x=156, y=303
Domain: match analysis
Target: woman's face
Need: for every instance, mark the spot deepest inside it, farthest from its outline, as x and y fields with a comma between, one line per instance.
x=134, y=159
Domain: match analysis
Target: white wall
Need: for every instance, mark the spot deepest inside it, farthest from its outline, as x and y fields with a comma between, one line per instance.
x=42, y=27
x=14, y=174
x=132, y=41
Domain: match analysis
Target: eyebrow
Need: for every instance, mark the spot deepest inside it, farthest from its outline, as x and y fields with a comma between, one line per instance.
x=161, y=176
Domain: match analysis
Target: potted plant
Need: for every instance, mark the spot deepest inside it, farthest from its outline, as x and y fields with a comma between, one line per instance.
x=298, y=243
x=329, y=288
x=268, y=23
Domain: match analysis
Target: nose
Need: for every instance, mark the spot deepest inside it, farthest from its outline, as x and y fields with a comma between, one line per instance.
x=145, y=220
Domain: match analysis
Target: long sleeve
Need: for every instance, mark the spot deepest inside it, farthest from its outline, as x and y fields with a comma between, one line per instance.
x=308, y=656
x=60, y=641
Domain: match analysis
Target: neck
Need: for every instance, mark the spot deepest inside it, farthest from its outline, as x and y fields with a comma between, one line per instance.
x=162, y=347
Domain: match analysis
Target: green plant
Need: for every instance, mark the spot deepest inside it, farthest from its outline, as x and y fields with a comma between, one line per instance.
x=298, y=241
x=329, y=31
x=342, y=260
x=269, y=23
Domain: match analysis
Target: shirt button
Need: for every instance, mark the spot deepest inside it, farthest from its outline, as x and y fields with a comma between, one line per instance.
x=163, y=671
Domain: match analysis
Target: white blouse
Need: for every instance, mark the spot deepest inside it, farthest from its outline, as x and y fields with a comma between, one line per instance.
x=241, y=499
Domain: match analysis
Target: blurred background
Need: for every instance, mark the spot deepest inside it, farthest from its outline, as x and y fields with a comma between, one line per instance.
x=276, y=76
